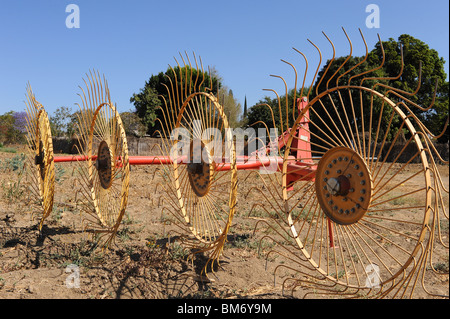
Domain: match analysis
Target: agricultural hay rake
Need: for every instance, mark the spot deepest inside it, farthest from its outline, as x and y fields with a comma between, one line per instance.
x=351, y=215
x=105, y=164
x=104, y=192
x=40, y=164
x=363, y=220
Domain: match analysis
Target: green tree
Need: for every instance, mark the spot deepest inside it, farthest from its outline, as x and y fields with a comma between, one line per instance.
x=335, y=73
x=260, y=112
x=416, y=52
x=338, y=73
x=244, y=118
x=231, y=107
x=12, y=128
x=6, y=126
x=272, y=112
x=146, y=103
x=132, y=124
x=60, y=121
x=245, y=107
x=154, y=92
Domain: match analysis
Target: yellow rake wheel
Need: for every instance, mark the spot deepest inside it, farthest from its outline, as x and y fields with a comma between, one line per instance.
x=360, y=214
x=106, y=174
x=201, y=182
x=206, y=195
x=41, y=160
x=364, y=218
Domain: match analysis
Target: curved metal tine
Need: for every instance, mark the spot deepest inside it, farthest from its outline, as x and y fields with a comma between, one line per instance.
x=295, y=90
x=180, y=80
x=361, y=62
x=173, y=109
x=187, y=84
x=173, y=92
x=210, y=80
x=196, y=68
x=271, y=113
x=329, y=65
x=343, y=63
x=287, y=94
x=317, y=70
x=381, y=65
x=279, y=110
x=374, y=69
x=337, y=84
x=399, y=92
x=415, y=104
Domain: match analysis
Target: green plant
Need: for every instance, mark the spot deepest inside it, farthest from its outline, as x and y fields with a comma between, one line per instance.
x=83, y=254
x=124, y=233
x=128, y=220
x=7, y=149
x=59, y=173
x=177, y=251
x=13, y=164
x=57, y=213
x=13, y=190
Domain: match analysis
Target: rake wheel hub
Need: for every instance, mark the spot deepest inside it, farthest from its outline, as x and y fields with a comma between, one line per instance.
x=103, y=165
x=198, y=170
x=39, y=160
x=343, y=185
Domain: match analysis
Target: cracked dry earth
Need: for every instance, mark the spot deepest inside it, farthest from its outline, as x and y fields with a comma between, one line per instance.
x=144, y=261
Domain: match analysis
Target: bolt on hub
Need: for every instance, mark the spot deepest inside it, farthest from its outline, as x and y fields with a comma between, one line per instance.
x=343, y=185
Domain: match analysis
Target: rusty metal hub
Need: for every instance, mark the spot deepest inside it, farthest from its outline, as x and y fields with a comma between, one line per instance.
x=199, y=170
x=343, y=185
x=103, y=165
x=39, y=160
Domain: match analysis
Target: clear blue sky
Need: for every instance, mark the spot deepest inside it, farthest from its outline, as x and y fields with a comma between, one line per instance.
x=244, y=40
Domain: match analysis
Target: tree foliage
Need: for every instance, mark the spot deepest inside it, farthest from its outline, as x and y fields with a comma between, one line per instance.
x=333, y=73
x=231, y=107
x=60, y=121
x=133, y=124
x=155, y=91
x=12, y=127
x=63, y=122
x=272, y=111
x=418, y=56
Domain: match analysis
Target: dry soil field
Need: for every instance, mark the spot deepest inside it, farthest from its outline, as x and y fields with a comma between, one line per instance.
x=142, y=263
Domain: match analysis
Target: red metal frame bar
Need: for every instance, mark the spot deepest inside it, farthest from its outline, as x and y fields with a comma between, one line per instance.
x=301, y=165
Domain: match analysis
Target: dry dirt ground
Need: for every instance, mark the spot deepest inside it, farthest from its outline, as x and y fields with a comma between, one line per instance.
x=142, y=263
